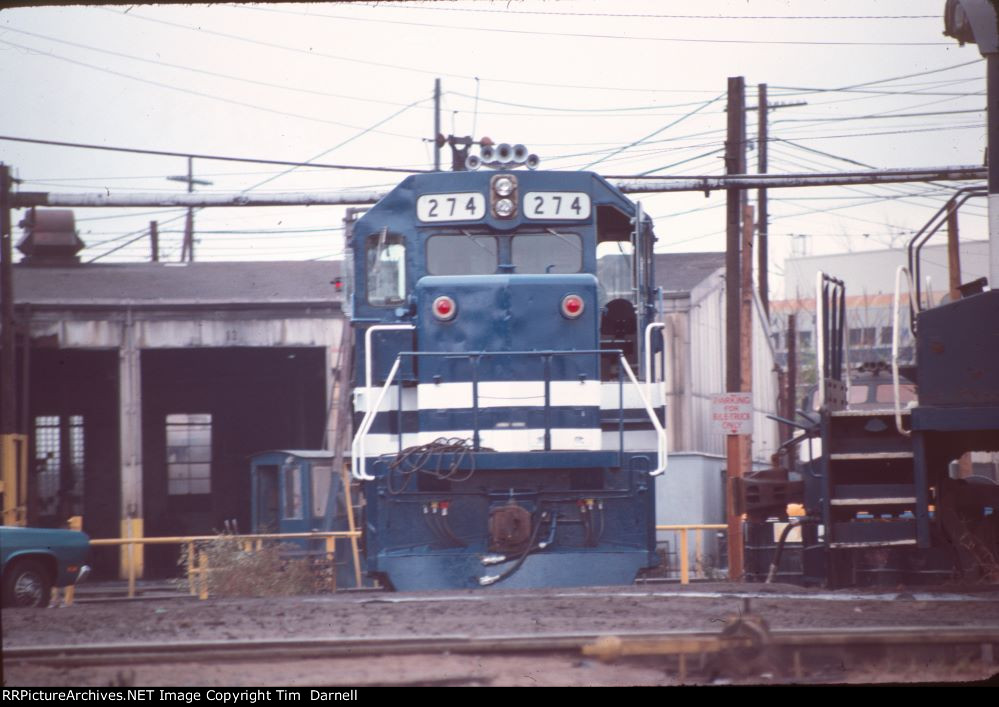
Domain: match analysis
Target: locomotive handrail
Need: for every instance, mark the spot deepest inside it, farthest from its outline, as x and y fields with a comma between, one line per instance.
x=662, y=446
x=924, y=234
x=830, y=296
x=359, y=458
x=894, y=344
x=648, y=355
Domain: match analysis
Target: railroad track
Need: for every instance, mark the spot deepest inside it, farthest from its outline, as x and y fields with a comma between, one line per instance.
x=742, y=636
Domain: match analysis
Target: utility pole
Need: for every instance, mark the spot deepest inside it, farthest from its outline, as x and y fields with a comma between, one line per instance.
x=953, y=253
x=763, y=108
x=8, y=425
x=977, y=22
x=13, y=446
x=792, y=370
x=735, y=163
x=964, y=468
x=187, y=248
x=739, y=455
x=762, y=274
x=154, y=241
x=437, y=125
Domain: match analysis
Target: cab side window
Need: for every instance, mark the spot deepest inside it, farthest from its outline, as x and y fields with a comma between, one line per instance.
x=386, y=269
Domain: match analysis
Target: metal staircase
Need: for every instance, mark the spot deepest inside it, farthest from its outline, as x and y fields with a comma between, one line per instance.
x=865, y=491
x=869, y=494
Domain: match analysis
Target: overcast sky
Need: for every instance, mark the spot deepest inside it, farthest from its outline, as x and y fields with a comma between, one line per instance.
x=575, y=81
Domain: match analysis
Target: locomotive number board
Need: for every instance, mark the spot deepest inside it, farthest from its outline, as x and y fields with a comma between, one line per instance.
x=562, y=205
x=460, y=206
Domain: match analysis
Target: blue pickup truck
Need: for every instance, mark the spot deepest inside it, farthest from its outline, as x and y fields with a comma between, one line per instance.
x=33, y=560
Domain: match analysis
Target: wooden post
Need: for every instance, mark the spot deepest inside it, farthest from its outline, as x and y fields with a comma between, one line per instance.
x=953, y=252
x=739, y=447
x=154, y=241
x=792, y=365
x=964, y=468
x=761, y=199
x=735, y=163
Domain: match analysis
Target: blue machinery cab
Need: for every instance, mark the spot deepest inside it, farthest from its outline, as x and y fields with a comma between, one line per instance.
x=508, y=396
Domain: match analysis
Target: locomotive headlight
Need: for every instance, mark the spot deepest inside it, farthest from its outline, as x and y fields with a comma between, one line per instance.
x=444, y=308
x=504, y=186
x=503, y=195
x=504, y=208
x=572, y=306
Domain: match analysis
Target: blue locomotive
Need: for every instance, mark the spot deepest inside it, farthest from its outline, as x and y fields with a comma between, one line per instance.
x=508, y=395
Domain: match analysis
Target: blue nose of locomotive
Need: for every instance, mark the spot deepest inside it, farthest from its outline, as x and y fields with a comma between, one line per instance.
x=508, y=313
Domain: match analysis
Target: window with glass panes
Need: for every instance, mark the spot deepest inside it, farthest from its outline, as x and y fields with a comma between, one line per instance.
x=189, y=453
x=59, y=461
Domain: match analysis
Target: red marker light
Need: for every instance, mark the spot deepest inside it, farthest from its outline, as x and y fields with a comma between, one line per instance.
x=572, y=306
x=444, y=308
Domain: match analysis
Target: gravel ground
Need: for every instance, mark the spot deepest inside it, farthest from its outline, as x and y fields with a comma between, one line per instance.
x=702, y=607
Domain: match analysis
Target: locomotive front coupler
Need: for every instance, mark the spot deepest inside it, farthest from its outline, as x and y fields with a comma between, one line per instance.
x=531, y=548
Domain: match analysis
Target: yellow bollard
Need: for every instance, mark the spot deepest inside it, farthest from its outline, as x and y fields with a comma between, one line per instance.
x=684, y=559
x=203, y=575
x=131, y=555
x=131, y=570
x=331, y=558
x=698, y=555
x=191, y=569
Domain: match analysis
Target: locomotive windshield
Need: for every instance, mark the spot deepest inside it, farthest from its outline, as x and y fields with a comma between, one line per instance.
x=550, y=252
x=465, y=253
x=462, y=254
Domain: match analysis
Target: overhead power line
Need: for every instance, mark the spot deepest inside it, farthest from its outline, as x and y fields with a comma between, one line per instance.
x=878, y=81
x=509, y=11
x=204, y=72
x=396, y=67
x=656, y=132
x=203, y=156
x=875, y=116
x=586, y=35
x=192, y=92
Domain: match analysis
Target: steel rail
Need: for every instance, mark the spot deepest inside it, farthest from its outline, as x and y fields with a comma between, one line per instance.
x=627, y=643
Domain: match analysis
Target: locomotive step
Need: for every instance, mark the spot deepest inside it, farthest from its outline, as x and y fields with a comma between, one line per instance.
x=864, y=502
x=883, y=501
x=861, y=456
x=876, y=532
x=886, y=543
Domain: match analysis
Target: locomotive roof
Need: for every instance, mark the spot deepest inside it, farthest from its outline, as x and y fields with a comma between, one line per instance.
x=203, y=283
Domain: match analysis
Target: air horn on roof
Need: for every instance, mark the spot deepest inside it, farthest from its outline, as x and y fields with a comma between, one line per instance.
x=502, y=156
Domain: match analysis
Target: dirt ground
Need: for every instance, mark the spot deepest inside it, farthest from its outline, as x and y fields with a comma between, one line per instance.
x=702, y=607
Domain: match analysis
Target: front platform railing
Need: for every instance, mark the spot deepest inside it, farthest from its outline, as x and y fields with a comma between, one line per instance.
x=358, y=447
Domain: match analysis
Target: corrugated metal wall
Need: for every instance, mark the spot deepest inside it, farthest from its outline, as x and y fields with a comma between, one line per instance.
x=696, y=371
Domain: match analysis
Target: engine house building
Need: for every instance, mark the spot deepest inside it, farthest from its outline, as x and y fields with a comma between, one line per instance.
x=144, y=387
